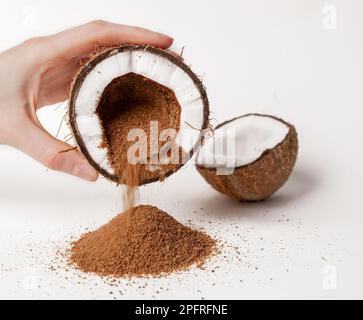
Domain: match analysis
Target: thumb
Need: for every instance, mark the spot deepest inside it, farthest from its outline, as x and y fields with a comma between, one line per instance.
x=54, y=154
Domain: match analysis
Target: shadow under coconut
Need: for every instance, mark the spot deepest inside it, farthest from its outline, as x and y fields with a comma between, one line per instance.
x=300, y=185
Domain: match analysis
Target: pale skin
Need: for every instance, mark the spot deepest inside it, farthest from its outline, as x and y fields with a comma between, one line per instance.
x=39, y=72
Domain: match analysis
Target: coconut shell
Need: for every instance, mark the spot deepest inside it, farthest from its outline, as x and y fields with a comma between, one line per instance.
x=262, y=178
x=106, y=53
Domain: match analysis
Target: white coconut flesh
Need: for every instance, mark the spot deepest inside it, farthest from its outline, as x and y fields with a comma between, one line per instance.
x=153, y=67
x=242, y=141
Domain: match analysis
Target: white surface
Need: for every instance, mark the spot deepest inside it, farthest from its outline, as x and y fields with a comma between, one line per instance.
x=283, y=62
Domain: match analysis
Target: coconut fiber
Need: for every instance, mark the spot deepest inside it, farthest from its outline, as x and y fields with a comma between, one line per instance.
x=142, y=241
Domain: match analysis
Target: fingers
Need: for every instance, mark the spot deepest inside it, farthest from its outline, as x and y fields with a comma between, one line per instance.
x=54, y=154
x=82, y=40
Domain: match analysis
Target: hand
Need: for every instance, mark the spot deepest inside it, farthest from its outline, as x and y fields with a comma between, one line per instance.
x=39, y=72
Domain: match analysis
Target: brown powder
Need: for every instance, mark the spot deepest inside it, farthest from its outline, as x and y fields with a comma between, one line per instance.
x=131, y=180
x=143, y=241
x=134, y=102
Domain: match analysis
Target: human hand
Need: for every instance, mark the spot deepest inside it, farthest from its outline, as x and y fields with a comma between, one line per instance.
x=39, y=72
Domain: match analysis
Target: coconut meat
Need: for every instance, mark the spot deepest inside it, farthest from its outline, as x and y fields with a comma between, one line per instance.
x=152, y=66
x=242, y=141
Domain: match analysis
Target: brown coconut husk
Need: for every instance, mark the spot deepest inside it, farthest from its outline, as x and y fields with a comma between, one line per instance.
x=77, y=83
x=262, y=178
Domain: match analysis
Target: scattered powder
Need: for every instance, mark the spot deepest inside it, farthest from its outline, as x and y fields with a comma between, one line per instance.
x=140, y=242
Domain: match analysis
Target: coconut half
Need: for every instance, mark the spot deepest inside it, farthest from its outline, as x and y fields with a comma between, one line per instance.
x=258, y=160
x=131, y=87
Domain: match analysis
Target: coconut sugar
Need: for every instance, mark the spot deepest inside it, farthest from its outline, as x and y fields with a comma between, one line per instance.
x=142, y=241
x=134, y=102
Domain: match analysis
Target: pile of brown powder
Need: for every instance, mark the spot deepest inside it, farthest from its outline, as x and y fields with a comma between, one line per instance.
x=142, y=241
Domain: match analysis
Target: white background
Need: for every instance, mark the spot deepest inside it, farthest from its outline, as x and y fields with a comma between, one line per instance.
x=274, y=57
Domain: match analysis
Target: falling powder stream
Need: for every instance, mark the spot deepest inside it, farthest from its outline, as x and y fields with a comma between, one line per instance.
x=131, y=178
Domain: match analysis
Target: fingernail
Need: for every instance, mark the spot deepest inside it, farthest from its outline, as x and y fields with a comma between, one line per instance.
x=85, y=171
x=165, y=36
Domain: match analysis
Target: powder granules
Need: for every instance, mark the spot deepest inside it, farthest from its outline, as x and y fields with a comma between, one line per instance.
x=131, y=176
x=134, y=102
x=140, y=242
